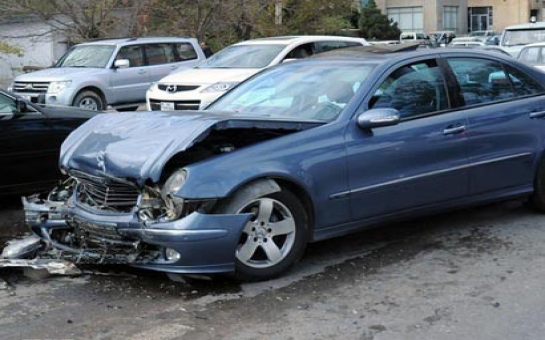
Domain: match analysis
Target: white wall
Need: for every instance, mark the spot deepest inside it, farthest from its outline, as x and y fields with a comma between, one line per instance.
x=40, y=45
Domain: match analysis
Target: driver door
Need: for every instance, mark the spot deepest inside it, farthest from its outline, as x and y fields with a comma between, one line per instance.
x=419, y=162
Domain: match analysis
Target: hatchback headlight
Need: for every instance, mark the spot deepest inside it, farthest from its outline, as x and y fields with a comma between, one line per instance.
x=56, y=87
x=220, y=87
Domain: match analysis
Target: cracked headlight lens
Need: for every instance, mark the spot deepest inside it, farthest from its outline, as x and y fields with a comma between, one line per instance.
x=174, y=183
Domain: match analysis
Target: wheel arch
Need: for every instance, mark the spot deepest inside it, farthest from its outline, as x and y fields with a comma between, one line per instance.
x=93, y=88
x=268, y=185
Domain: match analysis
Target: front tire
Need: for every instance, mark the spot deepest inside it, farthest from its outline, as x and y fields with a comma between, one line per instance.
x=275, y=237
x=89, y=100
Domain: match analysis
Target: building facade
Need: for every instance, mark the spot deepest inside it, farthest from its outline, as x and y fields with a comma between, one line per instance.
x=461, y=16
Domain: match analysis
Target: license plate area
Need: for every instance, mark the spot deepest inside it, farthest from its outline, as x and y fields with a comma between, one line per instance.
x=167, y=106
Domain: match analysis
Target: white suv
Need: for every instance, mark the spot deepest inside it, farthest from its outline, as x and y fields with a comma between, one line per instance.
x=196, y=88
x=108, y=73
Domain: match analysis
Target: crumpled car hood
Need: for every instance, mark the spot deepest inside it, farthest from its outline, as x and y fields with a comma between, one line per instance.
x=138, y=144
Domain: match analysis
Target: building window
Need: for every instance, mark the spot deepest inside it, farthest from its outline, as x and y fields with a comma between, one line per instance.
x=450, y=18
x=479, y=19
x=407, y=18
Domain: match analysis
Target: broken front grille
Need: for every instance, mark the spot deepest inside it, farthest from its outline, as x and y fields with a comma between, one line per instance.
x=106, y=193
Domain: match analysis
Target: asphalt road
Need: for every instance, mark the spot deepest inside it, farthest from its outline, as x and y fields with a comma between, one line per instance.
x=474, y=274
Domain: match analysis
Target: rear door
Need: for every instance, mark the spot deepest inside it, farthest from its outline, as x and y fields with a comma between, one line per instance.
x=29, y=152
x=505, y=109
x=164, y=58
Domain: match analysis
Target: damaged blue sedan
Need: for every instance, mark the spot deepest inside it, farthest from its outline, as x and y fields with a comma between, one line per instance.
x=299, y=153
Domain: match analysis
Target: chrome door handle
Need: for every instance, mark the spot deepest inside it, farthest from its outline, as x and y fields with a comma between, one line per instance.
x=454, y=130
x=535, y=115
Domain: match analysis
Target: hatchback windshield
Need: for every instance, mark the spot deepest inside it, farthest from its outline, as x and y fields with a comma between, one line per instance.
x=243, y=56
x=87, y=56
x=523, y=37
x=297, y=90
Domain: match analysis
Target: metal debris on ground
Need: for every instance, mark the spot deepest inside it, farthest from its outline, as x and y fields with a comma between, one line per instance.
x=50, y=266
x=20, y=248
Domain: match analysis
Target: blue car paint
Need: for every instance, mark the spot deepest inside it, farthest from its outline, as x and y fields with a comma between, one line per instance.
x=206, y=243
x=334, y=164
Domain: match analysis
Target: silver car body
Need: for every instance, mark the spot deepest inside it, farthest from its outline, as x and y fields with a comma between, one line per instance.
x=118, y=84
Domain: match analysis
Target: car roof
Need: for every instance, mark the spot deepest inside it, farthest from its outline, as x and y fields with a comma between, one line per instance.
x=130, y=41
x=530, y=25
x=297, y=39
x=371, y=51
x=536, y=44
x=365, y=54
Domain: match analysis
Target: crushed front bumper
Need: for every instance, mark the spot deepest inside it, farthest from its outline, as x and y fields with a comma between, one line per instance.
x=197, y=243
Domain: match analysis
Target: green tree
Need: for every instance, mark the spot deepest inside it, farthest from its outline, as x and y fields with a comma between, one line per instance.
x=316, y=16
x=376, y=26
x=79, y=20
x=6, y=48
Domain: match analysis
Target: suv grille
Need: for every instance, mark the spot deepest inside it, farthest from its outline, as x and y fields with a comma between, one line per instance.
x=24, y=87
x=105, y=193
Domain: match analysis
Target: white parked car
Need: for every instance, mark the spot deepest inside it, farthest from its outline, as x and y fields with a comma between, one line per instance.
x=196, y=88
x=533, y=54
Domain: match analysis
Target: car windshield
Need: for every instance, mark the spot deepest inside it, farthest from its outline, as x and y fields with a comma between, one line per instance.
x=523, y=37
x=297, y=90
x=87, y=56
x=243, y=56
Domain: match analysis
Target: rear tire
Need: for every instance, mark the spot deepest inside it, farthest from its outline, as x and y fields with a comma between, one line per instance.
x=275, y=237
x=89, y=100
x=537, y=199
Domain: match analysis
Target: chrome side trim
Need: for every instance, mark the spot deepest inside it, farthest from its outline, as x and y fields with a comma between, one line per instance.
x=344, y=194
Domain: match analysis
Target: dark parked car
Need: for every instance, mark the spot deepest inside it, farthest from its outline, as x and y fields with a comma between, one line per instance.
x=299, y=153
x=31, y=136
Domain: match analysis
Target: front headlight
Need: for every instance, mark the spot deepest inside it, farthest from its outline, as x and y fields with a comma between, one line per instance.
x=173, y=183
x=152, y=86
x=56, y=87
x=220, y=87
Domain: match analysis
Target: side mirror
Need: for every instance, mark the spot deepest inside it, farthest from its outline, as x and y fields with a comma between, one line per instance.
x=378, y=117
x=122, y=63
x=21, y=106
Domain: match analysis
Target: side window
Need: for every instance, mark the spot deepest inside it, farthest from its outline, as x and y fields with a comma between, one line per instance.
x=324, y=46
x=185, y=51
x=531, y=55
x=158, y=54
x=413, y=90
x=481, y=81
x=301, y=51
x=522, y=83
x=7, y=107
x=133, y=53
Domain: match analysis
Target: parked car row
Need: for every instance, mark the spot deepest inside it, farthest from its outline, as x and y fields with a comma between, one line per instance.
x=108, y=73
